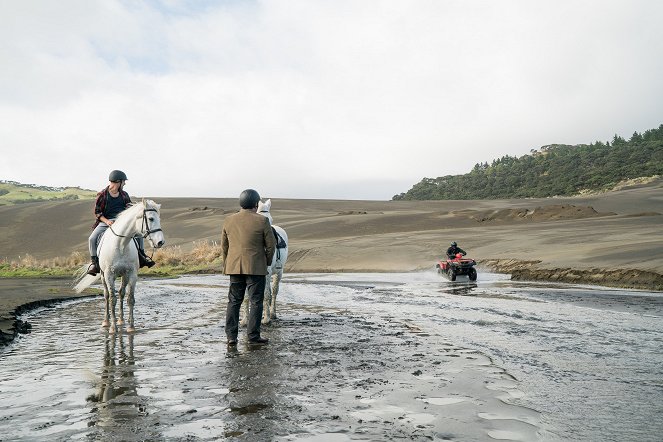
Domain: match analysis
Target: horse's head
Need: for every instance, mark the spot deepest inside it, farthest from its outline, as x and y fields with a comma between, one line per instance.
x=263, y=209
x=151, y=224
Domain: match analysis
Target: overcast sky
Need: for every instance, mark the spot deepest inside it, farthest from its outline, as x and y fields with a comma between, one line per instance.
x=353, y=99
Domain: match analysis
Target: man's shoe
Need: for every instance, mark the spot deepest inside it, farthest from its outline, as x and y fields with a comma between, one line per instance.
x=258, y=341
x=232, y=342
x=93, y=269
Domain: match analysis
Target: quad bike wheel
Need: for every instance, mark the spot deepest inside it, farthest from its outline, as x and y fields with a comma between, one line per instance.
x=452, y=274
x=472, y=274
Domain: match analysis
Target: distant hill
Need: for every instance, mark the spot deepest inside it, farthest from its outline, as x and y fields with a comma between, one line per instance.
x=554, y=170
x=12, y=192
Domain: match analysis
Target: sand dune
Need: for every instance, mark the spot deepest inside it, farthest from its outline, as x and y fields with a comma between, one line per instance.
x=608, y=239
x=609, y=231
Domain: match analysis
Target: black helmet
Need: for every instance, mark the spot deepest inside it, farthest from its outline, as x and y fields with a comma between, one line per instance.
x=249, y=199
x=453, y=244
x=117, y=175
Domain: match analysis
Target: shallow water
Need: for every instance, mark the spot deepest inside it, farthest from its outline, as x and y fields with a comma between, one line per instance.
x=352, y=357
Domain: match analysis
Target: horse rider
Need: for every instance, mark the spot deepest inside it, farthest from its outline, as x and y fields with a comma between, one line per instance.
x=110, y=202
x=248, y=246
x=454, y=250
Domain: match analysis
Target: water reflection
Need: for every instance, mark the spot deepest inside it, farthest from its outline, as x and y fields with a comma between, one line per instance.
x=116, y=405
x=462, y=289
x=254, y=374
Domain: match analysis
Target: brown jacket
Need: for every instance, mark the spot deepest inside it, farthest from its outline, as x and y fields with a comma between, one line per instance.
x=248, y=244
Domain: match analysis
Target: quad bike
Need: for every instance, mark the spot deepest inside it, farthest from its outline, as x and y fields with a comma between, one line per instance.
x=457, y=266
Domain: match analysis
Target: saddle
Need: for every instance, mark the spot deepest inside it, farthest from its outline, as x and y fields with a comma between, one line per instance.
x=280, y=242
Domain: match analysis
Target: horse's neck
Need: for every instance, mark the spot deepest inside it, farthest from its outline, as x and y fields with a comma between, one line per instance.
x=268, y=216
x=125, y=227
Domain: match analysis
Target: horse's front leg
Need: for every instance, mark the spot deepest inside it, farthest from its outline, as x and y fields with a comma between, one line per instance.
x=112, y=328
x=244, y=316
x=276, y=282
x=105, y=322
x=131, y=301
x=123, y=288
x=267, y=300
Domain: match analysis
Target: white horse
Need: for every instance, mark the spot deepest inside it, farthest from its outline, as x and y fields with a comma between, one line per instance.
x=118, y=257
x=274, y=271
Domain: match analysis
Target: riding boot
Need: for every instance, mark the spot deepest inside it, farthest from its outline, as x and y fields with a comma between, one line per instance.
x=93, y=269
x=144, y=260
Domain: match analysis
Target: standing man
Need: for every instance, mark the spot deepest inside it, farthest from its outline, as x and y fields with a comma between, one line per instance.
x=248, y=245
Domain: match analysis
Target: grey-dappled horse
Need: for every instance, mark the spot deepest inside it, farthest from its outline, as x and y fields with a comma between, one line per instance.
x=274, y=271
x=118, y=258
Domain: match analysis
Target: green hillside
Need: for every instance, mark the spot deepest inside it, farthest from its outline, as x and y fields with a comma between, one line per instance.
x=552, y=170
x=12, y=192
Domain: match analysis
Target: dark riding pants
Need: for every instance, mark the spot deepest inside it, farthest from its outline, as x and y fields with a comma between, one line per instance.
x=254, y=285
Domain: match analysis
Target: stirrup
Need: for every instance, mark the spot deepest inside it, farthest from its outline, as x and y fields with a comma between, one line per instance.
x=145, y=261
x=93, y=269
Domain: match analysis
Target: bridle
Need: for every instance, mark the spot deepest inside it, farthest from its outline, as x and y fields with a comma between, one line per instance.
x=144, y=226
x=148, y=231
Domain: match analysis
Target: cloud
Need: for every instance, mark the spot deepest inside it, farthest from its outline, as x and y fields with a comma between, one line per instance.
x=313, y=99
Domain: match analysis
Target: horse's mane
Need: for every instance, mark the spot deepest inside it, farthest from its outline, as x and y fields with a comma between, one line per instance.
x=145, y=204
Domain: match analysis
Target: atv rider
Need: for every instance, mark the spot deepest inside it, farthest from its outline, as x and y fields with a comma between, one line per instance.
x=110, y=202
x=454, y=250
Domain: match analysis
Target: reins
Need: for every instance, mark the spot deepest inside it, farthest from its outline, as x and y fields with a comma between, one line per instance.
x=144, y=227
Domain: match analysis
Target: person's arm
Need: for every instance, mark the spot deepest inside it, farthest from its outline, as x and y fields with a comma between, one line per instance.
x=270, y=242
x=225, y=244
x=224, y=247
x=99, y=206
x=105, y=220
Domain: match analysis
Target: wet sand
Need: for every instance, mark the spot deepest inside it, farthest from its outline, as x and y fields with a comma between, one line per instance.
x=327, y=374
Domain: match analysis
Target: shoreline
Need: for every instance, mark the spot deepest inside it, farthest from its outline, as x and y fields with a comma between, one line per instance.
x=50, y=291
x=22, y=294
x=626, y=278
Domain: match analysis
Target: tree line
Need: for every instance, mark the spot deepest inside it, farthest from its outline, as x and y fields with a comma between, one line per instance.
x=554, y=170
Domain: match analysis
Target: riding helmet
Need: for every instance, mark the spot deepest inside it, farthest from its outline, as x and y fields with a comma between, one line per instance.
x=249, y=199
x=453, y=244
x=117, y=175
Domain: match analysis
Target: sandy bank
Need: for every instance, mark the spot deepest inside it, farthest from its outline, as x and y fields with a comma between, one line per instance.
x=20, y=295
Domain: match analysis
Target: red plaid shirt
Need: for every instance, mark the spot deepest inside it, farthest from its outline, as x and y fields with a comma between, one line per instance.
x=100, y=204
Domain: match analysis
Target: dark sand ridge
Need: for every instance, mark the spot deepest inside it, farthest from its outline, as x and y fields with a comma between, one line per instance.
x=612, y=238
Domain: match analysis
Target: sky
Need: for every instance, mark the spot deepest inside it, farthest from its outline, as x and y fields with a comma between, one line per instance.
x=321, y=99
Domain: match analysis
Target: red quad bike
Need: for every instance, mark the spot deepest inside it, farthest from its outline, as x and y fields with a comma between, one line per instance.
x=457, y=266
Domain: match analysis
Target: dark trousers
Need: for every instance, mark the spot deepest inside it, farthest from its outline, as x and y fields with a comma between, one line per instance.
x=254, y=285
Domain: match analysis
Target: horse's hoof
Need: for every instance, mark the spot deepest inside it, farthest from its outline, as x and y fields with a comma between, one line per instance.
x=120, y=322
x=112, y=331
x=105, y=324
x=131, y=329
x=266, y=321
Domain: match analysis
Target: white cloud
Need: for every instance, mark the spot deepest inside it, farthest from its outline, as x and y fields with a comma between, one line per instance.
x=313, y=99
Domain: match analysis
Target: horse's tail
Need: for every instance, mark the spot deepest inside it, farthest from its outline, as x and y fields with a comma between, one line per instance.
x=82, y=280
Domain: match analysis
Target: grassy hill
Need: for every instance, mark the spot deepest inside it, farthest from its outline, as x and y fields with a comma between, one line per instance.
x=554, y=170
x=12, y=192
